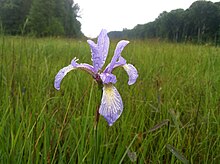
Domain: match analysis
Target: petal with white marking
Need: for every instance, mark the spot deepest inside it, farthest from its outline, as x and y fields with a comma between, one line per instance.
x=111, y=105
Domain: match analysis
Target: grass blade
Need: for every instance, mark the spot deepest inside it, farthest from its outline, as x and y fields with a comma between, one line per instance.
x=158, y=126
x=177, y=154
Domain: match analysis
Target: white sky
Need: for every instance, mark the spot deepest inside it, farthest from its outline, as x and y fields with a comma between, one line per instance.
x=114, y=15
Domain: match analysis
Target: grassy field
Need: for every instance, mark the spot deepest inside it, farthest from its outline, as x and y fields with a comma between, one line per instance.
x=171, y=114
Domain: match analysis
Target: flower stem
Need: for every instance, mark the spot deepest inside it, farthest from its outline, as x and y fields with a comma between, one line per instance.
x=96, y=143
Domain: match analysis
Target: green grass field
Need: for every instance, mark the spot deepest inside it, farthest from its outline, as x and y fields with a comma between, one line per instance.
x=171, y=114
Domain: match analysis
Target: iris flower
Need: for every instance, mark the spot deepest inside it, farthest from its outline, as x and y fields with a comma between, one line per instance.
x=111, y=104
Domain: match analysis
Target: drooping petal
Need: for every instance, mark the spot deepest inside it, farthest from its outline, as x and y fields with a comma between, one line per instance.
x=111, y=105
x=61, y=74
x=108, y=78
x=99, y=50
x=86, y=67
x=119, y=48
x=132, y=73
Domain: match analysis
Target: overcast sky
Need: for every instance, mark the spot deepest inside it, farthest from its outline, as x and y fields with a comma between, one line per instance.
x=114, y=15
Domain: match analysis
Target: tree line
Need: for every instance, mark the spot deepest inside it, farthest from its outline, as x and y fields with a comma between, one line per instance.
x=199, y=23
x=40, y=18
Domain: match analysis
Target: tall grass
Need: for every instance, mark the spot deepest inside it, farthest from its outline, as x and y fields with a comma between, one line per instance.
x=171, y=114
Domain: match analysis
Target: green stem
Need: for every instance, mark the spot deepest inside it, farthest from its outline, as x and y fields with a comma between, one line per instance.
x=96, y=144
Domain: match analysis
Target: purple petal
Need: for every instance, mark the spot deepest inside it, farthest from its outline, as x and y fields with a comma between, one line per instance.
x=111, y=105
x=95, y=55
x=86, y=67
x=108, y=78
x=103, y=45
x=61, y=74
x=74, y=62
x=119, y=48
x=121, y=61
x=132, y=73
x=99, y=50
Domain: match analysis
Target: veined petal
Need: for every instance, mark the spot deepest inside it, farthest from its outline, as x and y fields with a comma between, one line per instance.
x=119, y=48
x=108, y=78
x=103, y=45
x=95, y=55
x=111, y=105
x=86, y=67
x=61, y=74
x=121, y=61
x=132, y=73
x=99, y=50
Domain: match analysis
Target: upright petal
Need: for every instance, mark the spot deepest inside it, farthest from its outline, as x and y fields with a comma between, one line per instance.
x=61, y=74
x=99, y=50
x=95, y=55
x=111, y=105
x=119, y=48
x=121, y=61
x=103, y=45
x=132, y=73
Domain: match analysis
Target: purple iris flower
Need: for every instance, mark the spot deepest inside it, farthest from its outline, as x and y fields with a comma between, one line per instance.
x=111, y=104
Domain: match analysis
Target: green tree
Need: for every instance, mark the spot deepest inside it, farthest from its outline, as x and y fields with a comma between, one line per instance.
x=55, y=17
x=13, y=15
x=204, y=20
x=72, y=26
x=41, y=17
x=176, y=22
x=200, y=22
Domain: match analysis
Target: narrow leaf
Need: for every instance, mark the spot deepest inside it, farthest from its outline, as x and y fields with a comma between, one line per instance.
x=177, y=154
x=164, y=122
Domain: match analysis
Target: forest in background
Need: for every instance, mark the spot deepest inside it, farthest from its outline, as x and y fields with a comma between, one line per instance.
x=199, y=23
x=40, y=18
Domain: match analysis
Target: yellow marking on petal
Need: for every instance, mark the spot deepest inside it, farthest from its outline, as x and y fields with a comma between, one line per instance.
x=111, y=105
x=125, y=66
x=110, y=95
x=109, y=89
x=111, y=99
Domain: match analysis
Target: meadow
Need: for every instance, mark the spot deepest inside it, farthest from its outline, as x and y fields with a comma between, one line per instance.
x=171, y=114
